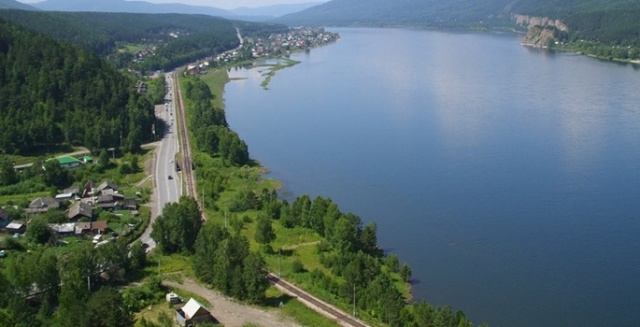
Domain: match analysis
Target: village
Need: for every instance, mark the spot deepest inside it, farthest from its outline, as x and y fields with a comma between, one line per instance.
x=276, y=45
x=96, y=212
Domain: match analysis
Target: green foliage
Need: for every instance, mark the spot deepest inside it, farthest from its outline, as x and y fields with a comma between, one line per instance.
x=224, y=260
x=138, y=258
x=38, y=231
x=107, y=304
x=178, y=226
x=54, y=175
x=53, y=93
x=264, y=231
x=136, y=298
x=8, y=175
x=209, y=125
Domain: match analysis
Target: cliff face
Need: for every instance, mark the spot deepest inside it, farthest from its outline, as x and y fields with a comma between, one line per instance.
x=541, y=29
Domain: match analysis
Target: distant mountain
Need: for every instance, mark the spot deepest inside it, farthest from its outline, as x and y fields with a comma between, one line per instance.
x=12, y=4
x=274, y=10
x=401, y=12
x=129, y=7
x=446, y=12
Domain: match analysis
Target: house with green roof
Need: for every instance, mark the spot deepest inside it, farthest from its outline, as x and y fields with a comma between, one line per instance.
x=68, y=162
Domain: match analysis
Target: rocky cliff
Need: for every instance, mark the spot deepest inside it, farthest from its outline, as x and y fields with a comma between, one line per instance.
x=541, y=30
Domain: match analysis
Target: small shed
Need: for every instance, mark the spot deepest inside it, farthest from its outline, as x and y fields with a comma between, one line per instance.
x=193, y=313
x=173, y=298
x=62, y=229
x=16, y=227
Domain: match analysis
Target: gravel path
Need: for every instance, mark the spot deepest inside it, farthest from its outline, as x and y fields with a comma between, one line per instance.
x=231, y=313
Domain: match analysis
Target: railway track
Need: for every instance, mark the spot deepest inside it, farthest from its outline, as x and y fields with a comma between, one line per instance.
x=319, y=306
x=186, y=161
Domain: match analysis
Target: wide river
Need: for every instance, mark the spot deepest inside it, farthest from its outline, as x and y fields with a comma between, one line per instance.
x=507, y=177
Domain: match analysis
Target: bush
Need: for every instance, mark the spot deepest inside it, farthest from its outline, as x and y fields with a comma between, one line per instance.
x=297, y=266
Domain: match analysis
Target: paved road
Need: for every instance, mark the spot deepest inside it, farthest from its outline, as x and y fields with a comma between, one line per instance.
x=166, y=181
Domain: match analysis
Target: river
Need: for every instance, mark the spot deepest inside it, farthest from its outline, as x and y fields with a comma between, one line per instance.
x=507, y=177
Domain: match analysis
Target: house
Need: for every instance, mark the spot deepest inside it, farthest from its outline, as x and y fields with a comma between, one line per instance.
x=79, y=210
x=87, y=190
x=41, y=205
x=5, y=219
x=62, y=229
x=106, y=186
x=68, y=162
x=91, y=227
x=128, y=204
x=109, y=201
x=69, y=194
x=73, y=190
x=193, y=313
x=16, y=227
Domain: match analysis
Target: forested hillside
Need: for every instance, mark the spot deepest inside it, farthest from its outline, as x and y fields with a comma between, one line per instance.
x=436, y=13
x=12, y=4
x=177, y=39
x=610, y=22
x=52, y=93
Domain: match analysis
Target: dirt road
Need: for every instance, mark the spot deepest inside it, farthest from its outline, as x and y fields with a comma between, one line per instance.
x=230, y=313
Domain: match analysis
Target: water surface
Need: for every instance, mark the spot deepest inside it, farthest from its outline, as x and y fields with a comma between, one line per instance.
x=506, y=177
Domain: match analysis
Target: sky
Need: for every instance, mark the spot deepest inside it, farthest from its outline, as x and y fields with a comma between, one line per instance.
x=224, y=4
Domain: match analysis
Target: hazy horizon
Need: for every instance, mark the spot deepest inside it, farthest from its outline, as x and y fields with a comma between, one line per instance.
x=223, y=4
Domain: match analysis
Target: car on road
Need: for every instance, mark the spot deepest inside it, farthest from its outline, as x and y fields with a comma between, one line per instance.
x=170, y=177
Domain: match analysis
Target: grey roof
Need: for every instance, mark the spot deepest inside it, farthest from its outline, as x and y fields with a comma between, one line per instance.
x=44, y=202
x=106, y=185
x=80, y=208
x=16, y=224
x=72, y=189
x=107, y=198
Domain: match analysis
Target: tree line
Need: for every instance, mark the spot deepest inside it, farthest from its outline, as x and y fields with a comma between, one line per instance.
x=209, y=125
x=53, y=93
x=219, y=258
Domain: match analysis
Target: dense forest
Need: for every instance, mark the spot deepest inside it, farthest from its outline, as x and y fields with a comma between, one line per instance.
x=53, y=93
x=176, y=39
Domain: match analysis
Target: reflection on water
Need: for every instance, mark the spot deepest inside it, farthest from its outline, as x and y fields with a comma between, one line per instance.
x=505, y=176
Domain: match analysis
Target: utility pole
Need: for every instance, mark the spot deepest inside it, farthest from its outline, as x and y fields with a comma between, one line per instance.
x=354, y=299
x=279, y=263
